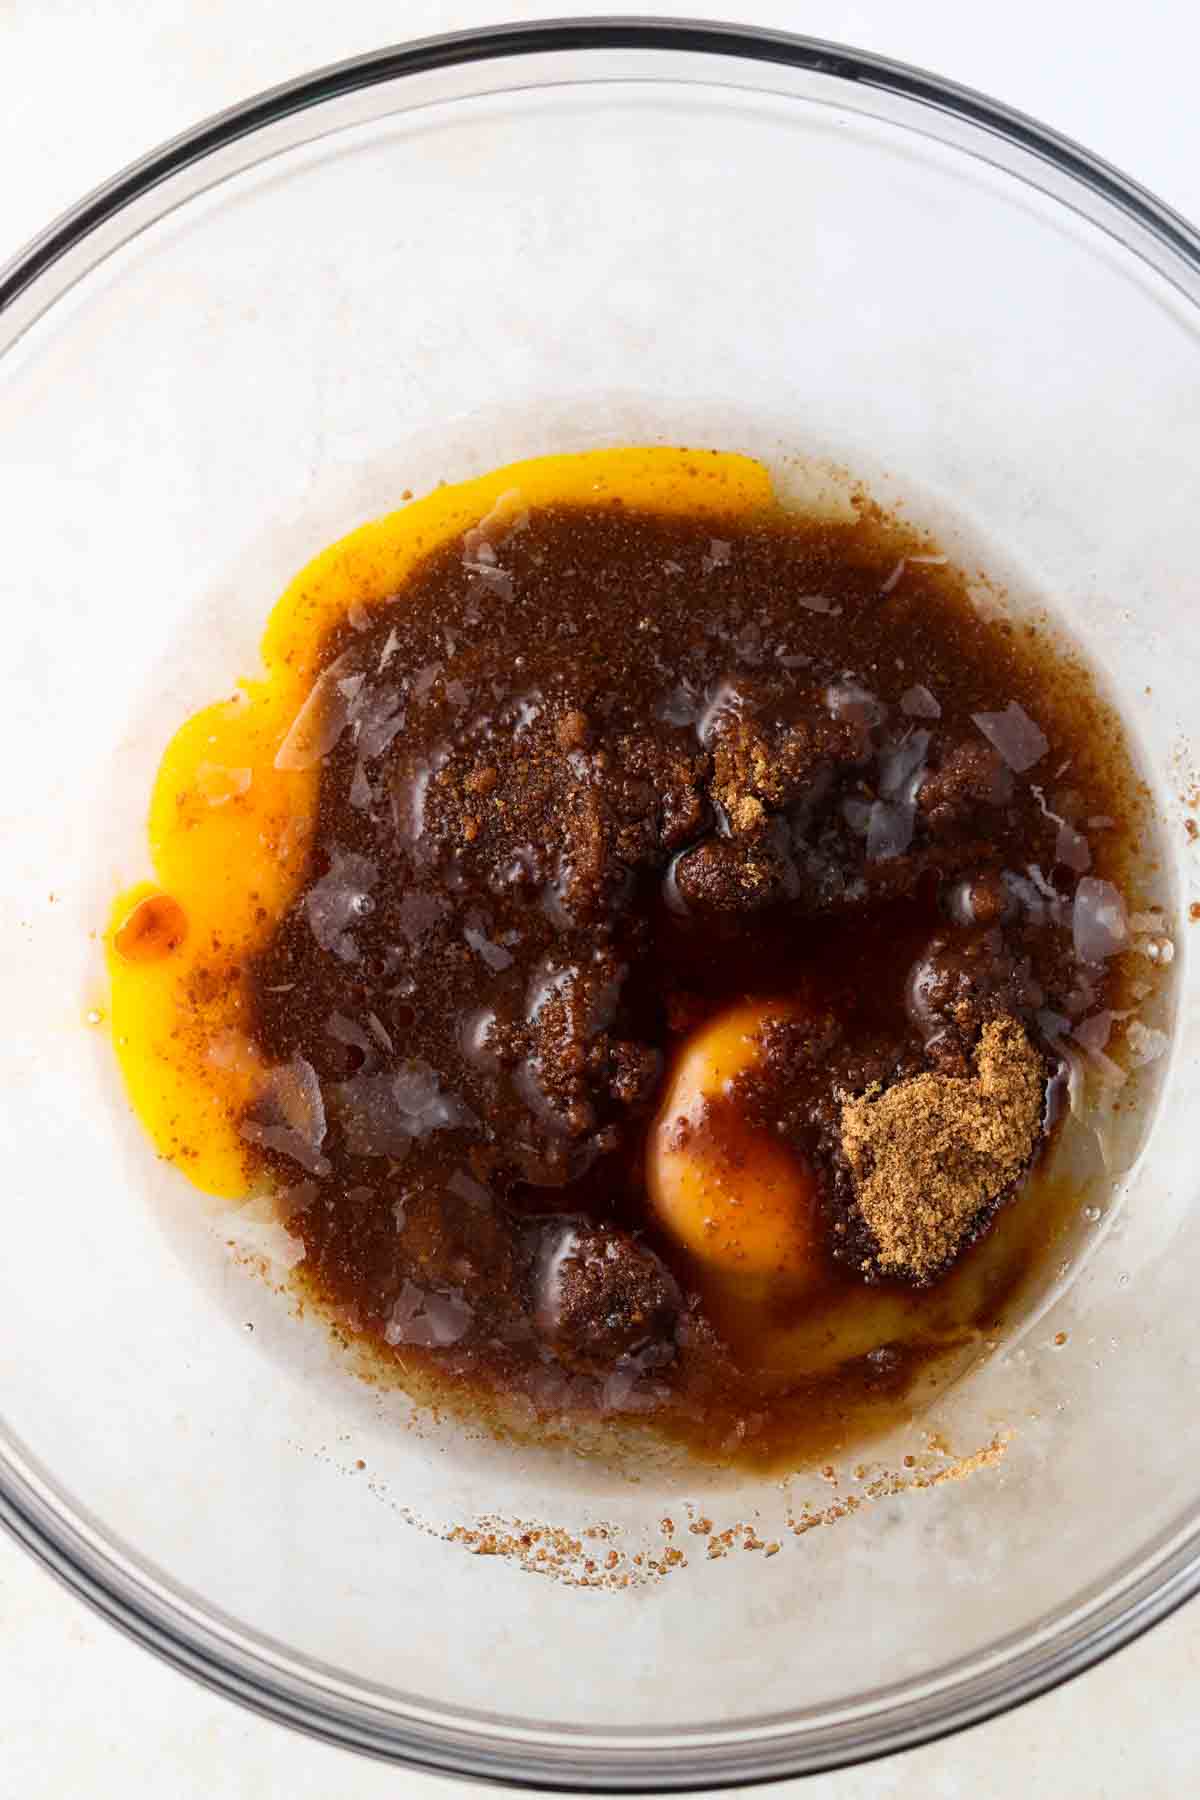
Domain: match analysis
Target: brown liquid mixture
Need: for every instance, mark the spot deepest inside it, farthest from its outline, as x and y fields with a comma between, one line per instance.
x=593, y=778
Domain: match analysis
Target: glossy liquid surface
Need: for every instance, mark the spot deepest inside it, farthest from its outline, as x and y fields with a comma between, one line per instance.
x=622, y=756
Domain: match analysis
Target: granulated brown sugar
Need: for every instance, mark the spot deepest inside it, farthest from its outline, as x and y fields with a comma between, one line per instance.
x=587, y=799
x=930, y=1152
x=888, y=1485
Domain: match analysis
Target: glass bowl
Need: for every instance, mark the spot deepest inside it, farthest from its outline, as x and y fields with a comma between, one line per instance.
x=412, y=267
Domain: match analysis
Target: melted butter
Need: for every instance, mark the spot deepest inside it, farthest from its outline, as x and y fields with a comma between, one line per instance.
x=229, y=832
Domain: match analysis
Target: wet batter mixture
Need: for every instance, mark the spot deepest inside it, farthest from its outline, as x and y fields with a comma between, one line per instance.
x=692, y=918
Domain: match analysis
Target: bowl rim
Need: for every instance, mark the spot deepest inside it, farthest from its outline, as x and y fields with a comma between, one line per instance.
x=1168, y=1571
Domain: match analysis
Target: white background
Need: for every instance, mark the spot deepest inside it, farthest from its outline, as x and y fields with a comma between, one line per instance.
x=86, y=87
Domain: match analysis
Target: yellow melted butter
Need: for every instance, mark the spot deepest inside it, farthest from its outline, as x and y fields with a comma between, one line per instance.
x=229, y=832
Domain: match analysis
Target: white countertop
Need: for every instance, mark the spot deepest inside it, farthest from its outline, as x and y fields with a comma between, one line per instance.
x=85, y=89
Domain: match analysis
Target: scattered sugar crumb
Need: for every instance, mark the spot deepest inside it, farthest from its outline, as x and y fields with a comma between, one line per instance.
x=887, y=1486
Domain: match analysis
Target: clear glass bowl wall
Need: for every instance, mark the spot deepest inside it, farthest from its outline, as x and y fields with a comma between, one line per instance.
x=410, y=269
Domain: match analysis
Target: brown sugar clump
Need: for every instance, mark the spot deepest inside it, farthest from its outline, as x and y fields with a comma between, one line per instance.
x=756, y=772
x=930, y=1153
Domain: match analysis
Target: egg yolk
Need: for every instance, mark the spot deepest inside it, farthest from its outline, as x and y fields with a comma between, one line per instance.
x=726, y=1189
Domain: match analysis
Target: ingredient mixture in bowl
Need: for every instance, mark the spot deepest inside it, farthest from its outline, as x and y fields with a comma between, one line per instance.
x=643, y=940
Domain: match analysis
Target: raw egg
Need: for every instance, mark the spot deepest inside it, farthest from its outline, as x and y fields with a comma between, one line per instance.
x=727, y=1189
